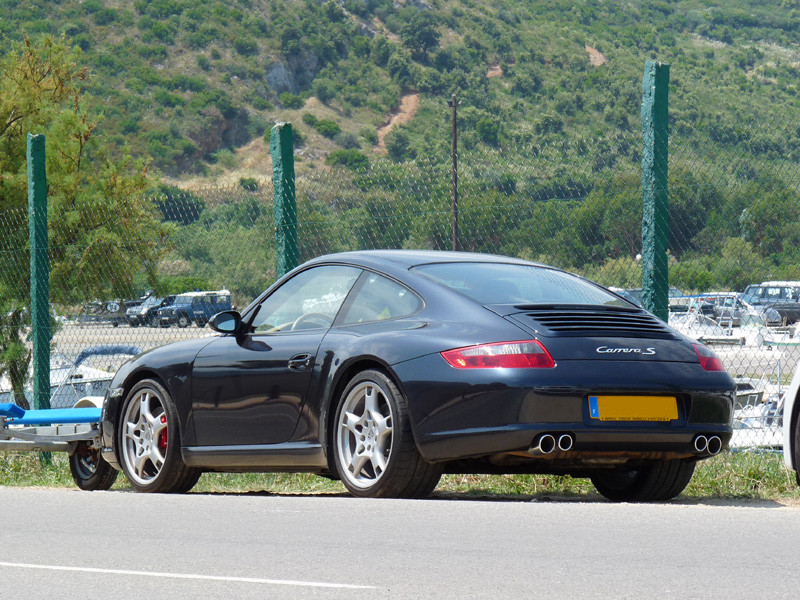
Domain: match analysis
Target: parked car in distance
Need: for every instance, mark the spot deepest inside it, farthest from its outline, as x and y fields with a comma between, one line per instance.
x=783, y=296
x=729, y=309
x=385, y=369
x=194, y=307
x=146, y=313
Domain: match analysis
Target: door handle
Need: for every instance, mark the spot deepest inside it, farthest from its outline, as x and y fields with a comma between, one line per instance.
x=301, y=362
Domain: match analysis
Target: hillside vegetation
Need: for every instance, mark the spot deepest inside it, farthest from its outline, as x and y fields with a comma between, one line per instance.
x=186, y=82
x=549, y=125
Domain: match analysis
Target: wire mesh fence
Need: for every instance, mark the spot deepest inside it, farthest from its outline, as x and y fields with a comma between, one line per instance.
x=571, y=203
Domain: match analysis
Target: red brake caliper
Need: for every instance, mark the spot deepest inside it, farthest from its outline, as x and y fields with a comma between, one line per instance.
x=162, y=438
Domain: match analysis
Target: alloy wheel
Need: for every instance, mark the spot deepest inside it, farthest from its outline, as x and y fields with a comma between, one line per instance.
x=144, y=436
x=364, y=434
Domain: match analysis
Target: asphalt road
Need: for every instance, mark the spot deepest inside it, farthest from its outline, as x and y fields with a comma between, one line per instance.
x=70, y=544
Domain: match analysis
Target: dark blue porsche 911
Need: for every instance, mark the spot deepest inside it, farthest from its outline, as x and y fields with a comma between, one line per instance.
x=386, y=369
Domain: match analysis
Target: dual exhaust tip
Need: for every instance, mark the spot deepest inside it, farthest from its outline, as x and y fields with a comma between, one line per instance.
x=711, y=444
x=547, y=443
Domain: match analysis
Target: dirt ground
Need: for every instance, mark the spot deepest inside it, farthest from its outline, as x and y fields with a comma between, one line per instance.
x=409, y=104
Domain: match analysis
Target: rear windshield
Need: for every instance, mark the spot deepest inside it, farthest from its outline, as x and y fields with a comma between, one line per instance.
x=491, y=283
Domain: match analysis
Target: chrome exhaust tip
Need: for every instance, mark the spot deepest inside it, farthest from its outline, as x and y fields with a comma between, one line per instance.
x=714, y=445
x=701, y=443
x=545, y=445
x=565, y=442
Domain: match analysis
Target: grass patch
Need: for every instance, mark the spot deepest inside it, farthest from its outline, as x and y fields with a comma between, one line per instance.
x=739, y=475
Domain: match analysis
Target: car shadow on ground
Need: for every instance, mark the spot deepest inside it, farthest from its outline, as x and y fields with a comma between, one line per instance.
x=543, y=497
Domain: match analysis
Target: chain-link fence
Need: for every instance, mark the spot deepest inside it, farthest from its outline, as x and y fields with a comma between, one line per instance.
x=734, y=222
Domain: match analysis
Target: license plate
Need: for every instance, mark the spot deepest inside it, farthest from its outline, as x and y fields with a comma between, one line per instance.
x=633, y=408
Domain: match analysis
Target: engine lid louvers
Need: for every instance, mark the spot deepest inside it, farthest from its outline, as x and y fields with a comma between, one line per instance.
x=591, y=321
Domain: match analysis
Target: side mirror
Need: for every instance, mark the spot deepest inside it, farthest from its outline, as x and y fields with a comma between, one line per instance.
x=228, y=321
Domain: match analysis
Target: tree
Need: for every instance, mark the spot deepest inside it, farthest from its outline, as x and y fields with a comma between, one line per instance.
x=398, y=144
x=102, y=231
x=420, y=34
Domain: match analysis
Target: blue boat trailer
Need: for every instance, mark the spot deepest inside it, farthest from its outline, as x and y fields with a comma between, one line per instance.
x=75, y=431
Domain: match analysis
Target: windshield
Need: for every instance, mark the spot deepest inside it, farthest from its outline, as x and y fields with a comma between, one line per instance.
x=183, y=299
x=491, y=283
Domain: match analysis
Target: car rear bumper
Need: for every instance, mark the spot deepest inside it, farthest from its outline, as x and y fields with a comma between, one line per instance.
x=495, y=411
x=587, y=444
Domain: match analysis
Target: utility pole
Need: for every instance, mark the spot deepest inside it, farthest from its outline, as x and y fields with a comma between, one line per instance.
x=454, y=103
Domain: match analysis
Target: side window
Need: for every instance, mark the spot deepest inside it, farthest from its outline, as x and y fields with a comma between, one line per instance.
x=309, y=300
x=379, y=299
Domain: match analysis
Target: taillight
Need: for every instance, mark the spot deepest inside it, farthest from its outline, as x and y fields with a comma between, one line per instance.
x=708, y=360
x=529, y=354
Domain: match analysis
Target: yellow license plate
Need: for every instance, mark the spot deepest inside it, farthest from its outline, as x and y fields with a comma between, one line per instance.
x=633, y=408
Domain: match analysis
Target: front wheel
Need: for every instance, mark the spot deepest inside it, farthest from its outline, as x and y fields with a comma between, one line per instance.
x=89, y=470
x=149, y=442
x=658, y=481
x=373, y=447
x=184, y=321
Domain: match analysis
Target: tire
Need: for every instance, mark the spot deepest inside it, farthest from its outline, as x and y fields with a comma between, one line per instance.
x=149, y=442
x=373, y=446
x=661, y=480
x=796, y=448
x=89, y=470
x=184, y=321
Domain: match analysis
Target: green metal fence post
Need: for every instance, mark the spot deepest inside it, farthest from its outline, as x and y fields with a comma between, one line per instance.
x=281, y=146
x=40, y=270
x=655, y=220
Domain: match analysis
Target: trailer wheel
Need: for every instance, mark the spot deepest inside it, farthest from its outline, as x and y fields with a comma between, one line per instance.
x=89, y=470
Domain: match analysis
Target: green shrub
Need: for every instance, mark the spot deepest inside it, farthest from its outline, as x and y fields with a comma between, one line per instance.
x=224, y=158
x=309, y=119
x=260, y=103
x=347, y=140
x=203, y=62
x=328, y=128
x=370, y=136
x=290, y=100
x=488, y=129
x=352, y=159
x=245, y=46
x=105, y=16
x=324, y=89
x=248, y=183
x=92, y=6
x=398, y=145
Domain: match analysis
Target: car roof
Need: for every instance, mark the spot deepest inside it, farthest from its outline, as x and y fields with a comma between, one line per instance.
x=413, y=258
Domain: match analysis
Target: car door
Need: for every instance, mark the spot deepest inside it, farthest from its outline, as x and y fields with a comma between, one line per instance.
x=250, y=390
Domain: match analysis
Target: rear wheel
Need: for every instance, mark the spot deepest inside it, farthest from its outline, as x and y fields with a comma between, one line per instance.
x=373, y=447
x=149, y=442
x=89, y=470
x=796, y=449
x=658, y=481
